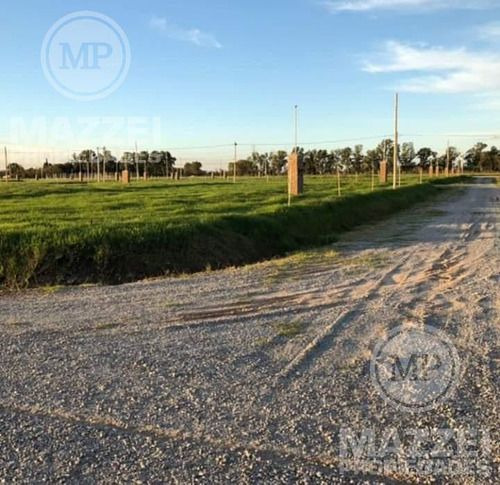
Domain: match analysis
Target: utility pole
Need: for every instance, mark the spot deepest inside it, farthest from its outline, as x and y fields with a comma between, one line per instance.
x=396, y=142
x=88, y=166
x=6, y=164
x=117, y=168
x=136, y=156
x=235, y=160
x=448, y=159
x=296, y=151
x=296, y=128
x=104, y=164
x=98, y=166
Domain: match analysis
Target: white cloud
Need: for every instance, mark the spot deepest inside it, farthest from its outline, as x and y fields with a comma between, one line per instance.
x=194, y=36
x=490, y=31
x=411, y=5
x=438, y=69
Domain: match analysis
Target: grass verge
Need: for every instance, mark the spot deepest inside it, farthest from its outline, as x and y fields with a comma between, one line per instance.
x=127, y=252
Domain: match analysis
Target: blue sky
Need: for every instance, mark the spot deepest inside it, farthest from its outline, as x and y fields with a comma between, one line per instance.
x=211, y=72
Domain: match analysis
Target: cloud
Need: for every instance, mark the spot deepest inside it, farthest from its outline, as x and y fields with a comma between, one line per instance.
x=489, y=32
x=335, y=6
x=193, y=36
x=438, y=69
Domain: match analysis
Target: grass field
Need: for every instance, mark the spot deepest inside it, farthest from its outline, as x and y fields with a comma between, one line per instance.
x=55, y=232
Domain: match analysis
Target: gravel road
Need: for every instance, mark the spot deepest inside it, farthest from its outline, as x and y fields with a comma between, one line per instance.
x=258, y=374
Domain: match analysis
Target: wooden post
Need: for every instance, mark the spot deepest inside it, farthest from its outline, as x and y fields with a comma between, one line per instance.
x=373, y=178
x=125, y=177
x=339, y=190
x=431, y=170
x=421, y=174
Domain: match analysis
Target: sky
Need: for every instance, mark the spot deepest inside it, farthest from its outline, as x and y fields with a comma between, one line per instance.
x=199, y=75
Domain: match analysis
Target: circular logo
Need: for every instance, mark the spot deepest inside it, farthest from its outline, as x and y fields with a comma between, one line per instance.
x=85, y=55
x=415, y=369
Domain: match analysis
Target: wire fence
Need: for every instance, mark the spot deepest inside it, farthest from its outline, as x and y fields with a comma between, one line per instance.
x=216, y=157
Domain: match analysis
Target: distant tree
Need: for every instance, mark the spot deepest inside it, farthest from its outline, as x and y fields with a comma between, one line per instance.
x=489, y=161
x=474, y=157
x=311, y=162
x=279, y=161
x=161, y=163
x=344, y=159
x=262, y=161
x=426, y=156
x=357, y=159
x=86, y=158
x=244, y=167
x=453, y=154
x=16, y=170
x=193, y=169
x=128, y=160
x=407, y=154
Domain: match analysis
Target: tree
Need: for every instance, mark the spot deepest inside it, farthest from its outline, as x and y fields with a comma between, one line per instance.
x=426, y=156
x=16, y=170
x=357, y=159
x=490, y=160
x=244, y=167
x=193, y=169
x=161, y=163
x=86, y=157
x=344, y=158
x=407, y=155
x=279, y=161
x=452, y=153
x=474, y=158
x=128, y=159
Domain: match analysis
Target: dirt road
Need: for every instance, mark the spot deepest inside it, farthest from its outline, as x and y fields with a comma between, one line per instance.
x=262, y=374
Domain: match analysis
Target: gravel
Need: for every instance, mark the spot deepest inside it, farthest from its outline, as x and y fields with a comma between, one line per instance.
x=251, y=374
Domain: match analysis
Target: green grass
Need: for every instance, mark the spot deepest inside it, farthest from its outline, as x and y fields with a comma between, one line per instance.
x=69, y=233
x=290, y=329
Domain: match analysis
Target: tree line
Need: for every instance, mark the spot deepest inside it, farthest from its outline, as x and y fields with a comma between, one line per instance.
x=356, y=160
x=161, y=163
